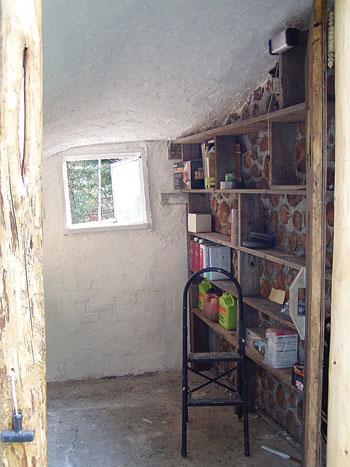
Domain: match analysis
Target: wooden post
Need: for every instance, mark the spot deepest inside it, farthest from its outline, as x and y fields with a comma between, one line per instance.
x=316, y=190
x=338, y=447
x=22, y=336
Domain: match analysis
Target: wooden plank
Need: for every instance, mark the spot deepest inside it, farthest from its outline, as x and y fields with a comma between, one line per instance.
x=282, y=147
x=225, y=157
x=316, y=190
x=283, y=374
x=215, y=238
x=230, y=336
x=174, y=151
x=294, y=114
x=249, y=274
x=271, y=309
x=22, y=330
x=259, y=303
x=190, y=152
x=338, y=446
x=292, y=73
x=249, y=210
x=277, y=256
x=277, y=189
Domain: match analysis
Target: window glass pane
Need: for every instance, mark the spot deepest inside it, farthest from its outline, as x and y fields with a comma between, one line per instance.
x=128, y=191
x=82, y=178
x=106, y=191
x=107, y=209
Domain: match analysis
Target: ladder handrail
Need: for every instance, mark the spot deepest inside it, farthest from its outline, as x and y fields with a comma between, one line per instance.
x=241, y=314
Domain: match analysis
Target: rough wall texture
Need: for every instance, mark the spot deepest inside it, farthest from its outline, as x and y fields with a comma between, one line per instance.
x=113, y=299
x=152, y=69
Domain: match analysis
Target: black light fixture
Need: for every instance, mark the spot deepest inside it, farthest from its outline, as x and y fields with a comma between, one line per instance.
x=284, y=41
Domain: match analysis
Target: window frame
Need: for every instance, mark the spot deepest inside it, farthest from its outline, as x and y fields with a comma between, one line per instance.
x=96, y=155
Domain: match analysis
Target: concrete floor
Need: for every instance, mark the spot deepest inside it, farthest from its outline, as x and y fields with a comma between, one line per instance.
x=135, y=421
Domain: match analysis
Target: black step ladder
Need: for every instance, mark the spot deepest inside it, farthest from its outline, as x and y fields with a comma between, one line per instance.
x=240, y=399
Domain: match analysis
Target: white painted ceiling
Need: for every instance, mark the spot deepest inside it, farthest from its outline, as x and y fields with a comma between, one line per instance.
x=128, y=70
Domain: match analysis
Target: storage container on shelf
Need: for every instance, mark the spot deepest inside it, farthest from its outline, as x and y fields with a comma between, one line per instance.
x=204, y=288
x=211, y=307
x=227, y=311
x=281, y=348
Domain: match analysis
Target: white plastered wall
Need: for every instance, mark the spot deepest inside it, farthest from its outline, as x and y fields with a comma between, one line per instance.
x=113, y=299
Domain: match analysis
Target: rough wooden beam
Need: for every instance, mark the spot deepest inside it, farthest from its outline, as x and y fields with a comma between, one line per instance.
x=22, y=337
x=338, y=447
x=316, y=190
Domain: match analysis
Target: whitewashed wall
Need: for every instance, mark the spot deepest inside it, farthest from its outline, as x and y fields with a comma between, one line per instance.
x=113, y=299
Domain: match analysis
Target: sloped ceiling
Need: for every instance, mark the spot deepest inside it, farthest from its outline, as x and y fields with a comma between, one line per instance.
x=128, y=70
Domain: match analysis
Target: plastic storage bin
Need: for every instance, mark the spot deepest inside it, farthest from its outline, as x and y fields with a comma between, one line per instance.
x=227, y=311
x=204, y=288
x=211, y=307
x=282, y=347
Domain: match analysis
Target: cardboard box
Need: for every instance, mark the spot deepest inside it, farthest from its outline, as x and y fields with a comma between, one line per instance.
x=193, y=175
x=199, y=223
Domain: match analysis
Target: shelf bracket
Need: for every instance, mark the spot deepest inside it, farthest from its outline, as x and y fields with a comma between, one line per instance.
x=298, y=320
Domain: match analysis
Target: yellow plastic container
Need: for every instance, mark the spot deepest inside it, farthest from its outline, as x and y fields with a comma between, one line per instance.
x=228, y=311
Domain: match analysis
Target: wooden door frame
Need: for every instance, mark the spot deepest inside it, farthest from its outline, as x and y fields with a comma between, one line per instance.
x=22, y=322
x=316, y=202
x=338, y=437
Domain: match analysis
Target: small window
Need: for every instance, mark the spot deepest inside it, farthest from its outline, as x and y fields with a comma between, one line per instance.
x=104, y=191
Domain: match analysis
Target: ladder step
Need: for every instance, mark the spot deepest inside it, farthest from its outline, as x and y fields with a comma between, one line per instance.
x=213, y=402
x=207, y=357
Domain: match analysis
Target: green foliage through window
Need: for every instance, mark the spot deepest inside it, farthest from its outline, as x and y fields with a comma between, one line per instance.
x=90, y=190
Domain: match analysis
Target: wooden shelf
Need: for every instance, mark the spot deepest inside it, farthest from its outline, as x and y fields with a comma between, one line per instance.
x=281, y=190
x=214, y=237
x=276, y=256
x=230, y=336
x=283, y=374
x=259, y=303
x=293, y=114
x=273, y=310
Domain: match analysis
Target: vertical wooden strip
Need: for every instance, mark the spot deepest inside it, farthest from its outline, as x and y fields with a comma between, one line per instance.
x=338, y=448
x=316, y=189
x=22, y=336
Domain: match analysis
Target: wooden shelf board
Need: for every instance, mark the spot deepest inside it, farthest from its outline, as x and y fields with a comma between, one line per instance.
x=281, y=190
x=214, y=237
x=293, y=114
x=258, y=302
x=230, y=336
x=290, y=188
x=269, y=308
x=283, y=374
x=276, y=256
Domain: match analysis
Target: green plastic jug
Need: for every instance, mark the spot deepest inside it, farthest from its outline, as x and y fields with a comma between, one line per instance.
x=204, y=288
x=228, y=311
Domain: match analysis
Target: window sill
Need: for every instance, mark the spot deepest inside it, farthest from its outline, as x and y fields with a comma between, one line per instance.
x=105, y=228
